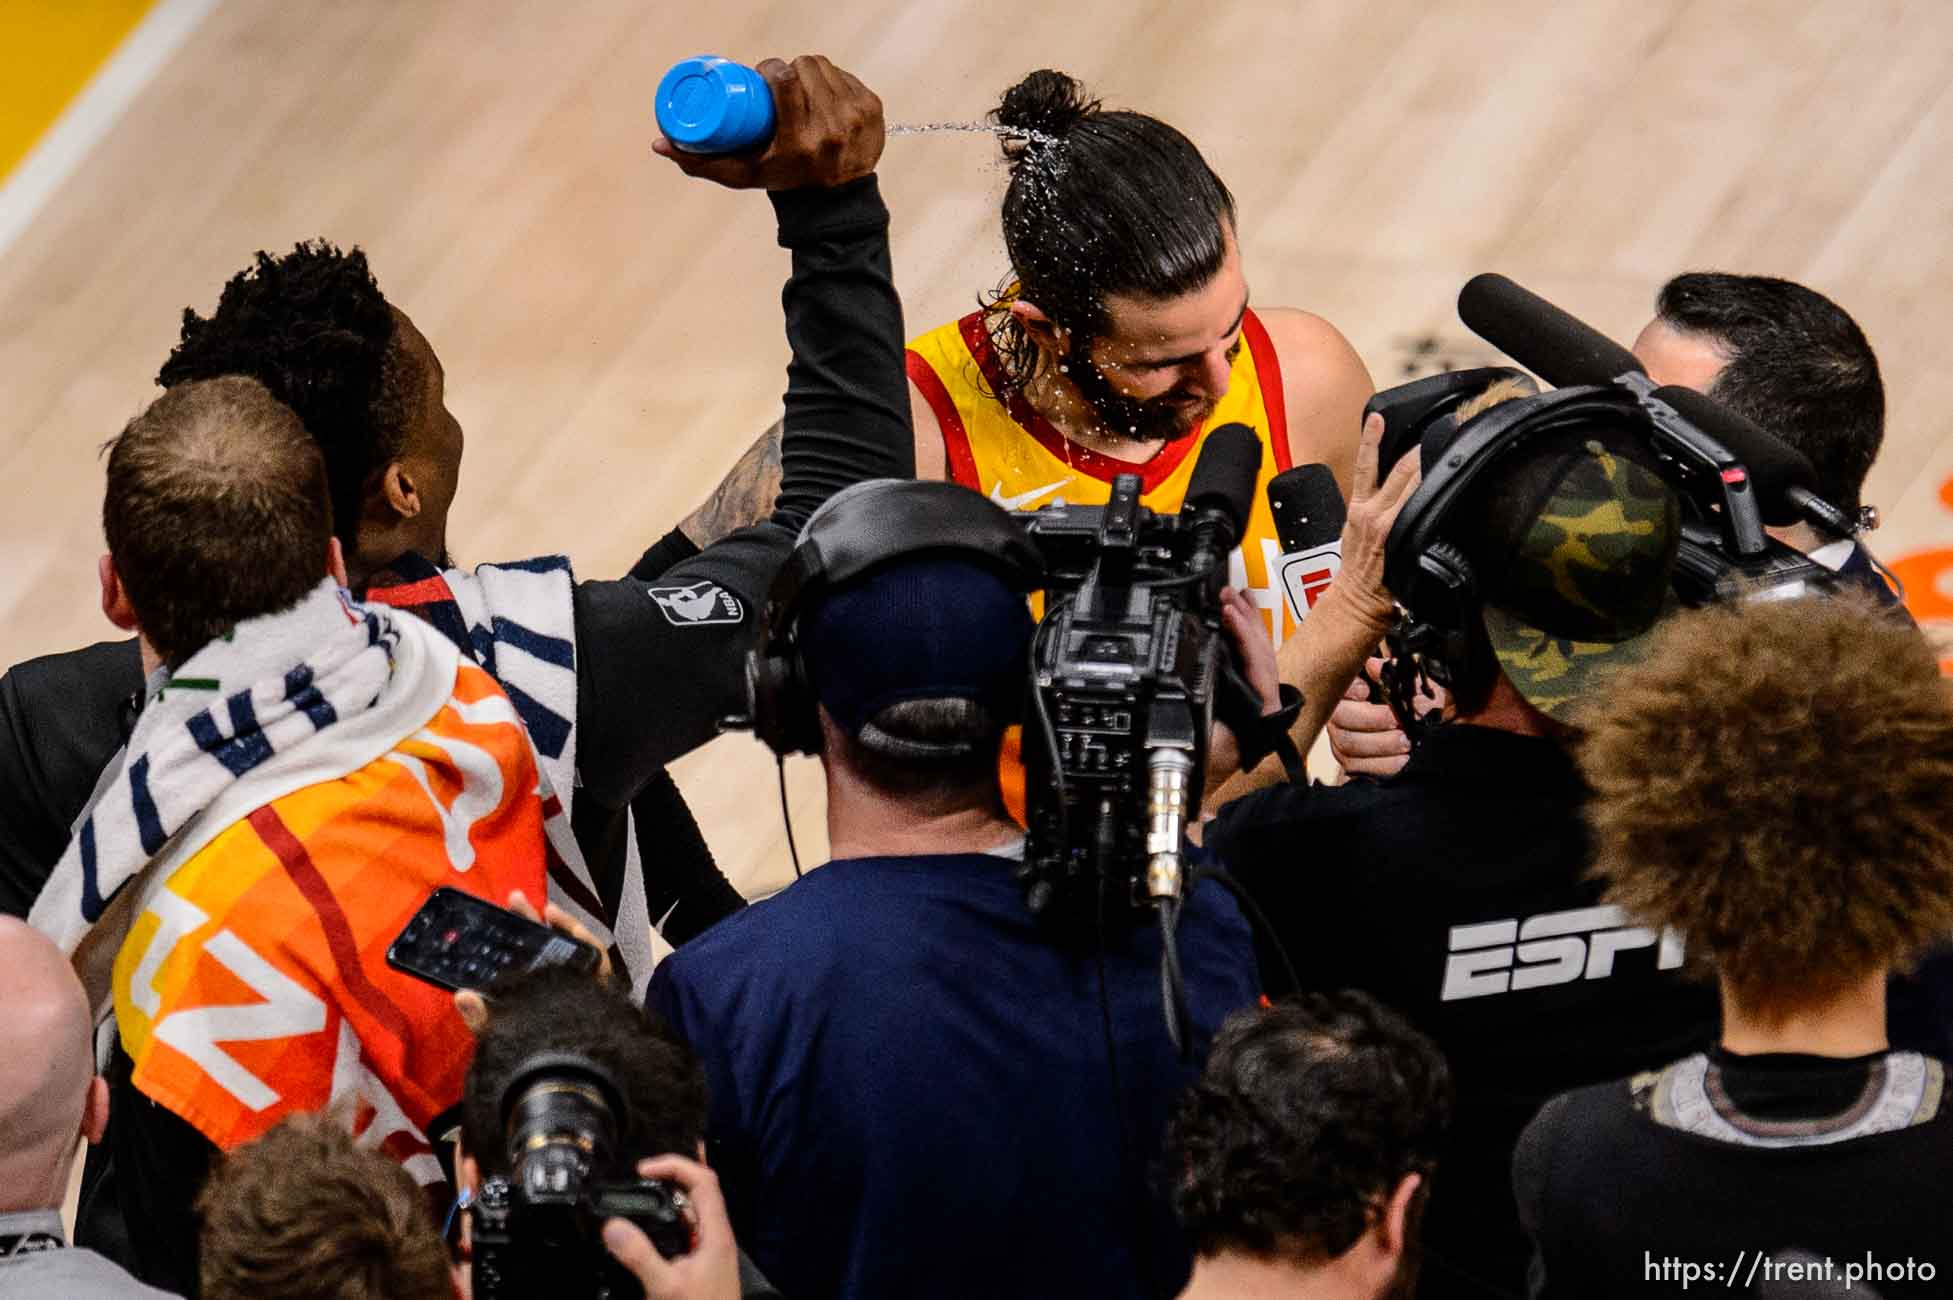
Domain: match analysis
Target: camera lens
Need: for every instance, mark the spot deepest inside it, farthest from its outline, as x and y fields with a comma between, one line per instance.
x=560, y=1127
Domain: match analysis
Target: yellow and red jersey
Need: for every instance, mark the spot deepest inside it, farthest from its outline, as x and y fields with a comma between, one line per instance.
x=1006, y=450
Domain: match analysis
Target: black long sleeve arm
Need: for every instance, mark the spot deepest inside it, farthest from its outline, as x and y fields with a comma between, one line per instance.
x=659, y=663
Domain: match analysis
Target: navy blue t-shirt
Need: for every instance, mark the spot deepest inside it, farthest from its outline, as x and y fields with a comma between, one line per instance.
x=910, y=1087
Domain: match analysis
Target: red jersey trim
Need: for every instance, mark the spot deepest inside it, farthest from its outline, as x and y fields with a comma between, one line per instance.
x=405, y=595
x=1268, y=372
x=956, y=439
x=1151, y=473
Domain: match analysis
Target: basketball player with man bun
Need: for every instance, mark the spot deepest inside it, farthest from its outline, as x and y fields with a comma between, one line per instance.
x=1124, y=333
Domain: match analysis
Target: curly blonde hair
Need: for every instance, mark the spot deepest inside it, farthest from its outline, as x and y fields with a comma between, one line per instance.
x=1774, y=781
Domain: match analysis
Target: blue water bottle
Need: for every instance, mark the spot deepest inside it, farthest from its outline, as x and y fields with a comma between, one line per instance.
x=713, y=105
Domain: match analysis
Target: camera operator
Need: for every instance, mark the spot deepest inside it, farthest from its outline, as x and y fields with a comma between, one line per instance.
x=1300, y=1161
x=1417, y=889
x=1821, y=862
x=1785, y=357
x=918, y=1088
x=567, y=1064
x=303, y=1213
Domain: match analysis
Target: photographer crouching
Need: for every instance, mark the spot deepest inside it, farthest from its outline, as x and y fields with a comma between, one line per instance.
x=583, y=1131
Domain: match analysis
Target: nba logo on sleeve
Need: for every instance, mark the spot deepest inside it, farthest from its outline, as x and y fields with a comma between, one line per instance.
x=698, y=604
x=1305, y=575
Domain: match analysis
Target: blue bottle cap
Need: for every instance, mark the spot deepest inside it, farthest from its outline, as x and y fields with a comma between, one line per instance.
x=713, y=105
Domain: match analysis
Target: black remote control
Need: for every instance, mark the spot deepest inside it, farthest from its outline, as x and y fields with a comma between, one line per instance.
x=458, y=941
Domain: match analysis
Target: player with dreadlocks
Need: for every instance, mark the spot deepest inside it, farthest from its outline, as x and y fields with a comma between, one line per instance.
x=313, y=326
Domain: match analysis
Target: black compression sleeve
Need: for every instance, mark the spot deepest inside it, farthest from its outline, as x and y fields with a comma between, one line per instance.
x=684, y=890
x=671, y=549
x=659, y=664
x=847, y=401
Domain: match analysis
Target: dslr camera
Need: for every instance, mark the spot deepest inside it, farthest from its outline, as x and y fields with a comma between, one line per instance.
x=538, y=1229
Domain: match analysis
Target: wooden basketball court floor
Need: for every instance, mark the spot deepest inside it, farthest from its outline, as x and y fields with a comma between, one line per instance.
x=611, y=330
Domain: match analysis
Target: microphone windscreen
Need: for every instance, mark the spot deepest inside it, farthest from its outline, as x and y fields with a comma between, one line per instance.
x=1774, y=465
x=1308, y=507
x=1556, y=346
x=1224, y=476
x=1309, y=515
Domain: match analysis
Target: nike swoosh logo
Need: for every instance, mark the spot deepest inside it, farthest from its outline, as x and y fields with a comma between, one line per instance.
x=1023, y=499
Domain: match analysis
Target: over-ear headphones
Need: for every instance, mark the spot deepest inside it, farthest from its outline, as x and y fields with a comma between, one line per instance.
x=858, y=529
x=1424, y=568
x=1424, y=412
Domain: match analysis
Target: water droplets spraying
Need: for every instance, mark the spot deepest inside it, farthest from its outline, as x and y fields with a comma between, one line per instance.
x=975, y=128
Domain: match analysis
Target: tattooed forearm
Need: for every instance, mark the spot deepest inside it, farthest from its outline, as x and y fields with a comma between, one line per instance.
x=745, y=496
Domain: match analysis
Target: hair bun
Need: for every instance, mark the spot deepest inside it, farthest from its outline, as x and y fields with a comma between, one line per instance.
x=1046, y=102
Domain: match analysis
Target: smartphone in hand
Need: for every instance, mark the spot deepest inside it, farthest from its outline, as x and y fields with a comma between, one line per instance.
x=458, y=941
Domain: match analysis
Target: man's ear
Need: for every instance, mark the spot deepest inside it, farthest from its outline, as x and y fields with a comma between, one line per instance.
x=1050, y=337
x=397, y=486
x=95, y=1111
x=1395, y=1225
x=115, y=601
x=336, y=561
x=831, y=733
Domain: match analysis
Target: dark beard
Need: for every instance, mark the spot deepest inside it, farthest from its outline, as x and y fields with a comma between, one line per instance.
x=1154, y=419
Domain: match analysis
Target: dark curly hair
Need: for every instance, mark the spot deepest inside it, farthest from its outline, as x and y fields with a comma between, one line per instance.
x=1308, y=1115
x=1772, y=781
x=1798, y=366
x=1100, y=202
x=313, y=327
x=560, y=1010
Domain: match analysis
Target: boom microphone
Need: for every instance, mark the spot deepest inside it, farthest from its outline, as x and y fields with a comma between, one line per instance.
x=1558, y=347
x=1309, y=517
x=1221, y=493
x=1564, y=350
x=1784, y=479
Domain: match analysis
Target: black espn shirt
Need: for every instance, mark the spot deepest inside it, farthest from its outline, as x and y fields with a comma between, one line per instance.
x=1456, y=892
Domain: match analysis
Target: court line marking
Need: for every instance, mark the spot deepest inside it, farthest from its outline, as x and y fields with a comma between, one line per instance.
x=89, y=116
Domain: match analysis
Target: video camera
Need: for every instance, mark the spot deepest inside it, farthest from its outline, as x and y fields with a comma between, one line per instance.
x=1729, y=480
x=1129, y=671
x=537, y=1230
x=1732, y=478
